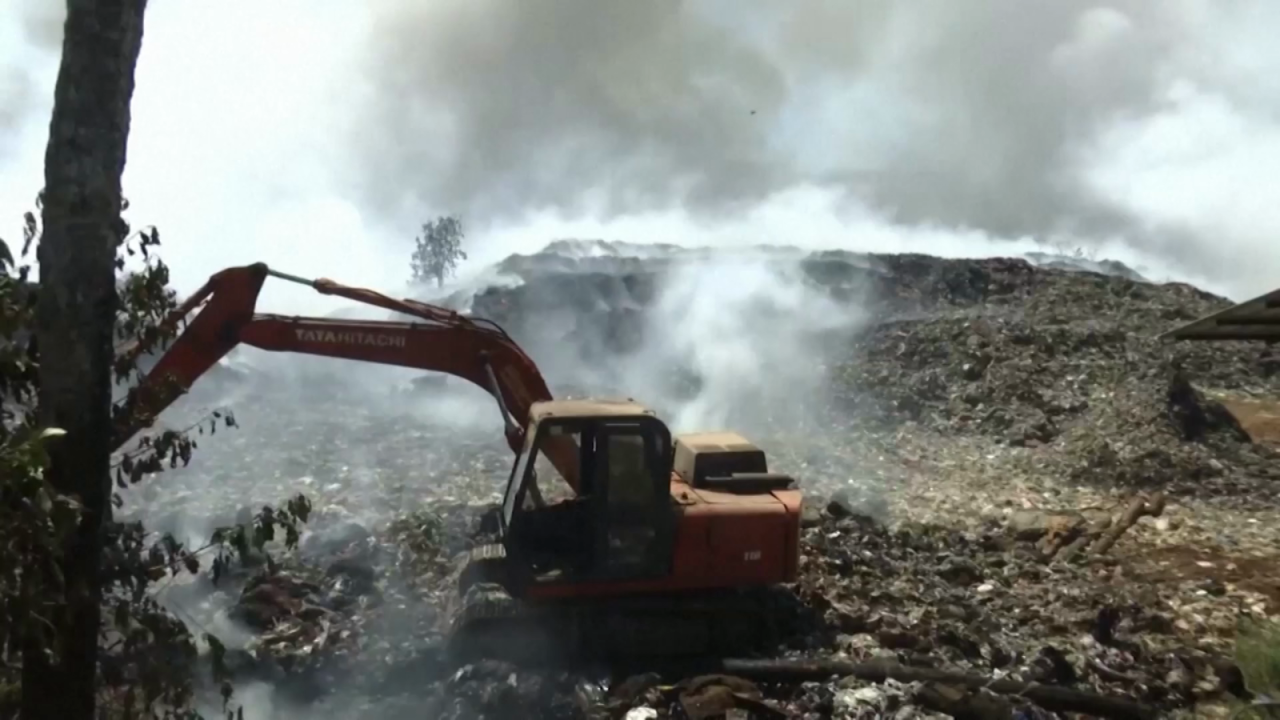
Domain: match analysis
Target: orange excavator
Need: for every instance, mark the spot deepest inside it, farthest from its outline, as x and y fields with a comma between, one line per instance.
x=664, y=545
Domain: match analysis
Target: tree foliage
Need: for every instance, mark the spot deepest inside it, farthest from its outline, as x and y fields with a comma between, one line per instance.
x=148, y=657
x=437, y=250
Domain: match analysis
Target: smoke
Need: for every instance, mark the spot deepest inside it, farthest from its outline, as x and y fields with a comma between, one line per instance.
x=750, y=335
x=36, y=31
x=983, y=116
x=1198, y=167
x=319, y=145
x=14, y=91
x=972, y=109
x=519, y=105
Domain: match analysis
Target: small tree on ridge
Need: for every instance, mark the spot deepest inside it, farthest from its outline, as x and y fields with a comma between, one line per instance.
x=437, y=251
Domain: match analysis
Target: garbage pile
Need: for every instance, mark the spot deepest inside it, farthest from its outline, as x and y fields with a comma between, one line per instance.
x=1034, y=401
x=1060, y=354
x=1070, y=360
x=935, y=606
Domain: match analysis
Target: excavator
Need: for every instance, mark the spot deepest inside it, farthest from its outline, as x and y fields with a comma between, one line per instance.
x=663, y=545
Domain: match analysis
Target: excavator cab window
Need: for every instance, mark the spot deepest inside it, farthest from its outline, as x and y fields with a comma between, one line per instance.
x=620, y=525
x=534, y=479
x=635, y=533
x=551, y=531
x=513, y=494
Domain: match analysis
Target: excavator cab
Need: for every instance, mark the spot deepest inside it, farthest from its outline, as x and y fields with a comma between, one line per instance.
x=620, y=525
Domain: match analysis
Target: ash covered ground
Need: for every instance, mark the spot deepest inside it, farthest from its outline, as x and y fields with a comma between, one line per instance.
x=962, y=429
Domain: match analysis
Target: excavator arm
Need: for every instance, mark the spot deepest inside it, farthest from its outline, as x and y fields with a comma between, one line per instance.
x=439, y=339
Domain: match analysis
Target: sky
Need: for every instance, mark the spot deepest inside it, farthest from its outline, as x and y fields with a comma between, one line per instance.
x=317, y=135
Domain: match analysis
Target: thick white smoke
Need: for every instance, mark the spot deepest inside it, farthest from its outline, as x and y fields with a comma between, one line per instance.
x=319, y=145
x=751, y=332
x=983, y=116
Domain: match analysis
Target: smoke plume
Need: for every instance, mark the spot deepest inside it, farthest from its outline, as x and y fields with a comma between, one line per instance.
x=985, y=116
x=35, y=29
x=750, y=333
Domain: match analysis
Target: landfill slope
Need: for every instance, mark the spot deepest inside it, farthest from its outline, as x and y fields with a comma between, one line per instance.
x=974, y=418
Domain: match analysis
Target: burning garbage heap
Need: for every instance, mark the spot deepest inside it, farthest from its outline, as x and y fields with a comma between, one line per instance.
x=1084, y=448
x=910, y=621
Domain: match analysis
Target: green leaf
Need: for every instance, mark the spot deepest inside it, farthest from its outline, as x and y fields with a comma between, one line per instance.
x=52, y=432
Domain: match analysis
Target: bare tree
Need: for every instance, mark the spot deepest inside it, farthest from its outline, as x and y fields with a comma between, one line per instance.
x=437, y=251
x=82, y=202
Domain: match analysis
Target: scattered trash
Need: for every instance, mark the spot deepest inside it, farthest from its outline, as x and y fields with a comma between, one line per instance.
x=1009, y=479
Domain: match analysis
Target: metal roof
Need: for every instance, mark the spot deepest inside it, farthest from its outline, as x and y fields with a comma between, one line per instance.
x=1256, y=319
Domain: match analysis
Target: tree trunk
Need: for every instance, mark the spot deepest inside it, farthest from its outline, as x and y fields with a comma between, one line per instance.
x=84, y=160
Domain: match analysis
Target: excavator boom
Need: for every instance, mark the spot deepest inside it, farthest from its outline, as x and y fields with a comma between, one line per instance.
x=440, y=340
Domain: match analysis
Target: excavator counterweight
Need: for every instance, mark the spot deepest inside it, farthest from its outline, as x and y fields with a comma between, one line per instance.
x=662, y=545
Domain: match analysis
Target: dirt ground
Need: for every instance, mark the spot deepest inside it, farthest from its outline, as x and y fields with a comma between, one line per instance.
x=1259, y=416
x=1204, y=566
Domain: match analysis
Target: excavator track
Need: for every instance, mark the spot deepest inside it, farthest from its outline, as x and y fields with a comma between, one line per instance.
x=485, y=621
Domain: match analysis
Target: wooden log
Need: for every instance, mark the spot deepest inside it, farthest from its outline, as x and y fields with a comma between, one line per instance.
x=1136, y=510
x=1060, y=535
x=1095, y=531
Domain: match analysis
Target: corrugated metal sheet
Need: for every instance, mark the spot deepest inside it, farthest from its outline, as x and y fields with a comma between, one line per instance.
x=1257, y=319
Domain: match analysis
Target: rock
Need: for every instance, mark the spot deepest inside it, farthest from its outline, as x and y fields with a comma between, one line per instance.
x=1032, y=525
x=841, y=506
x=810, y=516
x=845, y=505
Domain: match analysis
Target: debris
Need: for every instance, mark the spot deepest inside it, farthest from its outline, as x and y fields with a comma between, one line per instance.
x=334, y=539
x=976, y=473
x=1064, y=535
x=1048, y=696
x=1139, y=508
x=715, y=695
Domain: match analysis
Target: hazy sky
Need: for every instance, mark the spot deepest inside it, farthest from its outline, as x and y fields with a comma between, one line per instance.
x=316, y=134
